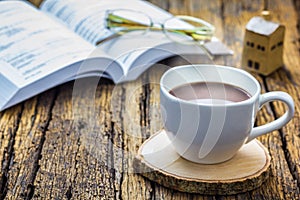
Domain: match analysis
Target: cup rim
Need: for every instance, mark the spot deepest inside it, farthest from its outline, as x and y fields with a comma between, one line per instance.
x=232, y=104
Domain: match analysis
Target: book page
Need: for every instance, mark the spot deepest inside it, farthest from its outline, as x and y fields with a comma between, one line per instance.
x=128, y=48
x=34, y=45
x=8, y=87
x=87, y=18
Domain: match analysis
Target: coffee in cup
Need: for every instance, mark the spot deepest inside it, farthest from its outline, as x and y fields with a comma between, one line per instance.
x=210, y=92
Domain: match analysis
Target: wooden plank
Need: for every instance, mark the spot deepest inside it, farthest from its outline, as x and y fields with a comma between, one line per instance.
x=82, y=162
x=76, y=149
x=27, y=144
x=134, y=117
x=9, y=124
x=289, y=133
x=286, y=79
x=281, y=185
x=282, y=182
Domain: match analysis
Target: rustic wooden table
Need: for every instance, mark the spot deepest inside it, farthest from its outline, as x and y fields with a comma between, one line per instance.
x=74, y=143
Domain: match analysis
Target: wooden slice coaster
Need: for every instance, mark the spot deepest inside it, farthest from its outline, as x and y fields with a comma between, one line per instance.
x=247, y=170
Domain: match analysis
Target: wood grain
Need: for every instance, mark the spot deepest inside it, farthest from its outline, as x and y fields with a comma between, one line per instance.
x=158, y=161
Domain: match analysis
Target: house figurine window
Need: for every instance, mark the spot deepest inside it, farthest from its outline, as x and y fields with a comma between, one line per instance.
x=263, y=46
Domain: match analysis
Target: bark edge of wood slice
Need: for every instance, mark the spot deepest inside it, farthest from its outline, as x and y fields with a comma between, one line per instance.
x=247, y=170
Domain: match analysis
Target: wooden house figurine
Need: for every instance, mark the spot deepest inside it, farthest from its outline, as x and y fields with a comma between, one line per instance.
x=263, y=46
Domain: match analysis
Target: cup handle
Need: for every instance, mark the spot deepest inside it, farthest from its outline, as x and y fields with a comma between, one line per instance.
x=278, y=123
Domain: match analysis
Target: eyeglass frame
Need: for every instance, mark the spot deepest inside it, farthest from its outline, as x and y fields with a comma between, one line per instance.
x=207, y=28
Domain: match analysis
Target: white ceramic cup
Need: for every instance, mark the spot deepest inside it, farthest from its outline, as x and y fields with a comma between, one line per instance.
x=211, y=133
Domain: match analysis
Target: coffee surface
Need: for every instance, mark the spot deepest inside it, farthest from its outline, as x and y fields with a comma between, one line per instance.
x=210, y=93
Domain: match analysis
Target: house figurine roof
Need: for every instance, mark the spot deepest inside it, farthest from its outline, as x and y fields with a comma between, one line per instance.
x=261, y=26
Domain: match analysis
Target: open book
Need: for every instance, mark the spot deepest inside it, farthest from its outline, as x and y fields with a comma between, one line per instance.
x=42, y=48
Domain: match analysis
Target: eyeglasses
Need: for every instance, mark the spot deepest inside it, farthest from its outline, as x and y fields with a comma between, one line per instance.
x=179, y=28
